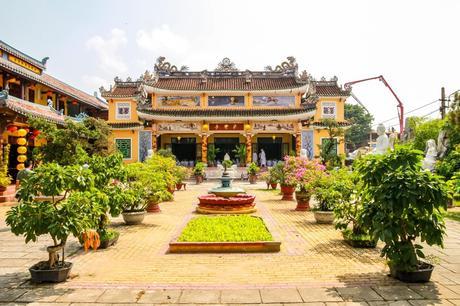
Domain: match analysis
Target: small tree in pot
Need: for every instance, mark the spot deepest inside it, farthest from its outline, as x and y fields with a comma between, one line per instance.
x=134, y=205
x=198, y=171
x=72, y=209
x=406, y=203
x=253, y=169
x=327, y=195
x=182, y=174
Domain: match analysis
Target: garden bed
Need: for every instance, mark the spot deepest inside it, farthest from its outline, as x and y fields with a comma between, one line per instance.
x=225, y=234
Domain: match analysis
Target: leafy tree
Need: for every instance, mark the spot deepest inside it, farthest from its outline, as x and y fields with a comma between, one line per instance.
x=69, y=144
x=425, y=130
x=328, y=154
x=357, y=135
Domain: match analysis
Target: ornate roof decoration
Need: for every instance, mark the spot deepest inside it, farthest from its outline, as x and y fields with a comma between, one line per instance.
x=305, y=76
x=204, y=76
x=330, y=88
x=226, y=65
x=13, y=51
x=248, y=76
x=289, y=66
x=165, y=67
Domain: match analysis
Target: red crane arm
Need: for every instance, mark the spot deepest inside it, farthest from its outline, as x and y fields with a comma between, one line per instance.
x=400, y=105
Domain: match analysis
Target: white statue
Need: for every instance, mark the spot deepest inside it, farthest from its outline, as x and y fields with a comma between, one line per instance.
x=303, y=153
x=226, y=156
x=383, y=142
x=443, y=142
x=149, y=153
x=430, y=155
x=254, y=157
x=263, y=158
x=392, y=141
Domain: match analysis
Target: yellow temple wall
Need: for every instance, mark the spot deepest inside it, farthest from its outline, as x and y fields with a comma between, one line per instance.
x=112, y=110
x=319, y=134
x=128, y=134
x=340, y=107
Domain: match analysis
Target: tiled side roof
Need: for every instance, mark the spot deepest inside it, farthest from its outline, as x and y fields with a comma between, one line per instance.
x=27, y=108
x=226, y=112
x=55, y=84
x=123, y=90
x=226, y=83
x=330, y=90
x=13, y=51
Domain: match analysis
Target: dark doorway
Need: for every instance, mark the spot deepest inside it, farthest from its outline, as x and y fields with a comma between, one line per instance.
x=273, y=148
x=184, y=148
x=226, y=145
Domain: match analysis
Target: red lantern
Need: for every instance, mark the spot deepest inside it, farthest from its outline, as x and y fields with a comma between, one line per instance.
x=36, y=133
x=12, y=128
x=74, y=102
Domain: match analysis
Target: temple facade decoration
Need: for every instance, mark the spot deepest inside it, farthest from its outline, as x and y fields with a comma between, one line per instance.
x=27, y=91
x=202, y=115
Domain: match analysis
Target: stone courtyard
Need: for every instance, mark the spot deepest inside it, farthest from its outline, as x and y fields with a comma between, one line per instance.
x=314, y=265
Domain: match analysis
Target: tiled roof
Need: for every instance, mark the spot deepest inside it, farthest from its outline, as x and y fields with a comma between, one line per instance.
x=224, y=113
x=27, y=108
x=227, y=83
x=328, y=89
x=130, y=89
x=13, y=51
x=54, y=84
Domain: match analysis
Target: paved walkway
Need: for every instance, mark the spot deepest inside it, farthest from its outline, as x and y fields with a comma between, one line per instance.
x=314, y=265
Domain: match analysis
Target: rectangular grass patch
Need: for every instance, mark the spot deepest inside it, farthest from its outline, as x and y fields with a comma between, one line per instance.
x=233, y=228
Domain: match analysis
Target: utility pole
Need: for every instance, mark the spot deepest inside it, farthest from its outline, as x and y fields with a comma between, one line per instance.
x=442, y=109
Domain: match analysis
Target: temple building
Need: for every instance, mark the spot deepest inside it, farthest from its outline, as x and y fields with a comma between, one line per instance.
x=277, y=111
x=27, y=91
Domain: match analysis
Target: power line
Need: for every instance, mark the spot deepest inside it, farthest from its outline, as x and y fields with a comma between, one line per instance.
x=411, y=111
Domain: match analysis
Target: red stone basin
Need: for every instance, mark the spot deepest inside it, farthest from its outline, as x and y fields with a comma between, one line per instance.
x=239, y=199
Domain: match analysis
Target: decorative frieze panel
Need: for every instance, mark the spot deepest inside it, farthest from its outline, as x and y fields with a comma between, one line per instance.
x=177, y=127
x=226, y=127
x=178, y=101
x=285, y=101
x=307, y=143
x=273, y=127
x=226, y=101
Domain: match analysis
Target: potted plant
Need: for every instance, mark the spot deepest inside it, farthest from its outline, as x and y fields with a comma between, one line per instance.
x=198, y=171
x=134, y=203
x=405, y=204
x=275, y=174
x=212, y=153
x=253, y=169
x=182, y=173
x=306, y=173
x=5, y=179
x=240, y=152
x=75, y=213
x=326, y=195
x=348, y=210
x=288, y=180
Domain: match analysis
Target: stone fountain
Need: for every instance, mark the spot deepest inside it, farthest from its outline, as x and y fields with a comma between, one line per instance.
x=226, y=199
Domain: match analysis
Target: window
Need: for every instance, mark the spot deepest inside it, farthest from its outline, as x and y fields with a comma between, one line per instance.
x=124, y=146
x=331, y=148
x=123, y=110
x=328, y=110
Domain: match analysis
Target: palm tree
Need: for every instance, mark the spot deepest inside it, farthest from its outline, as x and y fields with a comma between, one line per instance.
x=240, y=152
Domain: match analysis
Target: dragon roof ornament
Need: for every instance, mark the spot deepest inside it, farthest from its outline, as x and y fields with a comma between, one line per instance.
x=226, y=65
x=161, y=66
x=289, y=66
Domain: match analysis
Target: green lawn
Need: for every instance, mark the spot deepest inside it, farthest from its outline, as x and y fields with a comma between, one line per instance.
x=234, y=228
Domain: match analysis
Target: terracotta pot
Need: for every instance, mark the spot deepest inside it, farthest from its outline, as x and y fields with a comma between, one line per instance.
x=133, y=217
x=303, y=200
x=253, y=178
x=324, y=217
x=171, y=189
x=288, y=192
x=3, y=188
x=179, y=186
x=274, y=185
x=153, y=207
x=198, y=179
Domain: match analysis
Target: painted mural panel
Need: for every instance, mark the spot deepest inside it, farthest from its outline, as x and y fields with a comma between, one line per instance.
x=177, y=127
x=178, y=101
x=145, y=144
x=307, y=143
x=273, y=126
x=285, y=101
x=225, y=101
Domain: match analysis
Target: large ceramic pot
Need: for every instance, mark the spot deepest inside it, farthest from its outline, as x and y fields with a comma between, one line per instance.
x=198, y=179
x=109, y=242
x=179, y=186
x=274, y=185
x=153, y=207
x=288, y=193
x=253, y=178
x=133, y=217
x=303, y=200
x=3, y=188
x=40, y=275
x=422, y=275
x=171, y=189
x=324, y=217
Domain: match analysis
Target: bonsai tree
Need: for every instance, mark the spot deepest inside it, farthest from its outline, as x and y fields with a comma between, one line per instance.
x=404, y=203
x=227, y=164
x=134, y=195
x=182, y=173
x=253, y=169
x=72, y=207
x=198, y=171
x=240, y=152
x=212, y=154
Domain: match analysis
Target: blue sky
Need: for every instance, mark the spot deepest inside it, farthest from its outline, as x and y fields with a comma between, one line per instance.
x=414, y=44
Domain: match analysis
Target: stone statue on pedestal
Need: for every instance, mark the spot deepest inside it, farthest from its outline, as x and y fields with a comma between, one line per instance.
x=383, y=143
x=431, y=153
x=226, y=156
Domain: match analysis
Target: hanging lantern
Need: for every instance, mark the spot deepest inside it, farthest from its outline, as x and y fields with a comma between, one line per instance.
x=22, y=132
x=21, y=158
x=205, y=127
x=247, y=127
x=12, y=128
x=21, y=141
x=22, y=150
x=36, y=132
x=74, y=102
x=20, y=166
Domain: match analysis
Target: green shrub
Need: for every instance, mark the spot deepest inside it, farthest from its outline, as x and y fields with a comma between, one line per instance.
x=253, y=169
x=199, y=169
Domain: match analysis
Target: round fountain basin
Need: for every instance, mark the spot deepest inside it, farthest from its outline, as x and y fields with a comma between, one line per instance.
x=239, y=199
x=226, y=191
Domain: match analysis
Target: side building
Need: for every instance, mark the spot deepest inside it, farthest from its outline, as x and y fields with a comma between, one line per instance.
x=27, y=91
x=203, y=115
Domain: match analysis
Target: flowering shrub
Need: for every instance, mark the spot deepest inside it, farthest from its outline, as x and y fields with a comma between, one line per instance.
x=299, y=171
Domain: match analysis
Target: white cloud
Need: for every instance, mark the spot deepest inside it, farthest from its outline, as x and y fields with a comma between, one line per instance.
x=93, y=81
x=162, y=40
x=107, y=50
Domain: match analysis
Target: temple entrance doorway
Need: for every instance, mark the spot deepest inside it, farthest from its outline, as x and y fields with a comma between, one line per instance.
x=226, y=145
x=184, y=148
x=273, y=148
